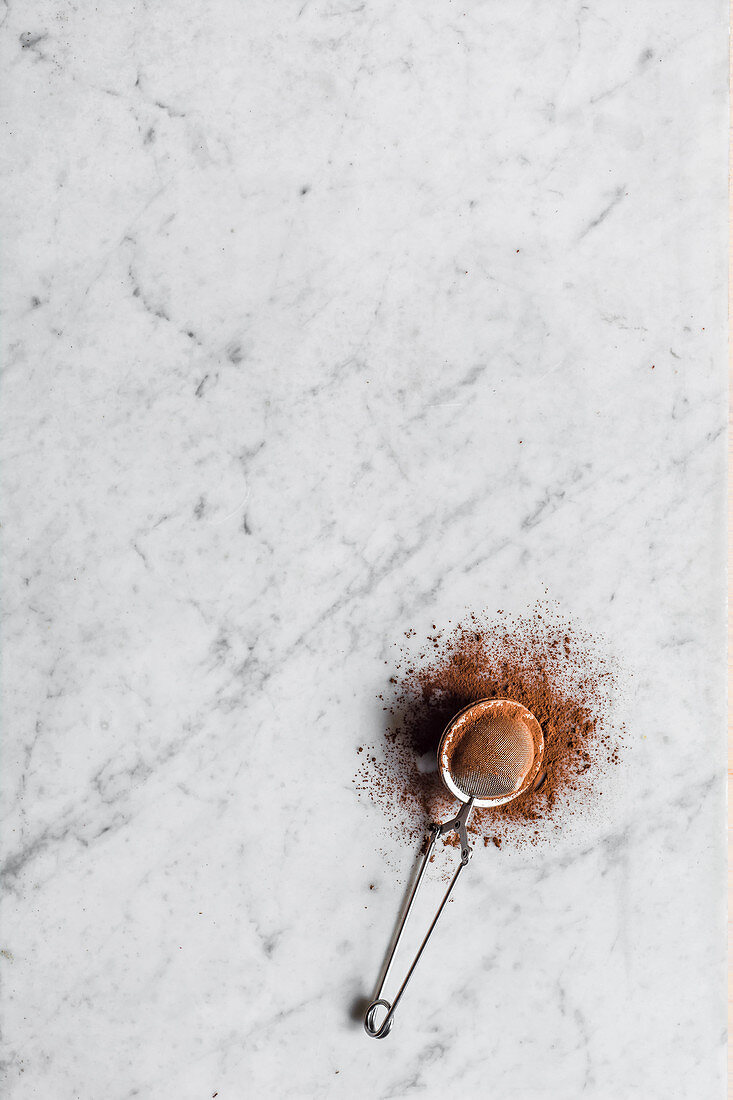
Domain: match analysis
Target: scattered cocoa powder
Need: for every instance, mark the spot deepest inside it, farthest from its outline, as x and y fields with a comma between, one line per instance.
x=553, y=668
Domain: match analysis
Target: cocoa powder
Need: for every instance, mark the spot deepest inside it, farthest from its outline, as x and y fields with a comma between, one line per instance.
x=491, y=749
x=553, y=668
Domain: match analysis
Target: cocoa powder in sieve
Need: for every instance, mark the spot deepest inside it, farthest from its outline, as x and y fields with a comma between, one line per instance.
x=557, y=671
x=491, y=749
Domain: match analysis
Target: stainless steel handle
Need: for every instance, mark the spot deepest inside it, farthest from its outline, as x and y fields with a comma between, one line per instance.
x=459, y=824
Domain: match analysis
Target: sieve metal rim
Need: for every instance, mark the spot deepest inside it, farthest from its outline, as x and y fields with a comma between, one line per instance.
x=486, y=704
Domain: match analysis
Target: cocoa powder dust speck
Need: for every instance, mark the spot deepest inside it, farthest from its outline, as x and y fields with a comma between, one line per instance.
x=560, y=673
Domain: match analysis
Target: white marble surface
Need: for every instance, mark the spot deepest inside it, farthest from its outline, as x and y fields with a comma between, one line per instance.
x=323, y=320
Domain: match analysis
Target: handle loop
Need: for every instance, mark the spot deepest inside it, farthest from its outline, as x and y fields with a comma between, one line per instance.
x=380, y=1032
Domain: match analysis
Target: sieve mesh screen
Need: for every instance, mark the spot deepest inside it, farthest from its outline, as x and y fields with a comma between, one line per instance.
x=492, y=752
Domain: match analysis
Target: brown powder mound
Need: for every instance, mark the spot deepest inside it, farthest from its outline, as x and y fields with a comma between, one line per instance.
x=558, y=672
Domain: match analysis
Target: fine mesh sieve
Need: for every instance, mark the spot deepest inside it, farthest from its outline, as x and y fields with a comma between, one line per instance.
x=490, y=752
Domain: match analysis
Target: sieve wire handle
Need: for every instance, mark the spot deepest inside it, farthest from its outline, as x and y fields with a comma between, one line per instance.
x=459, y=824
